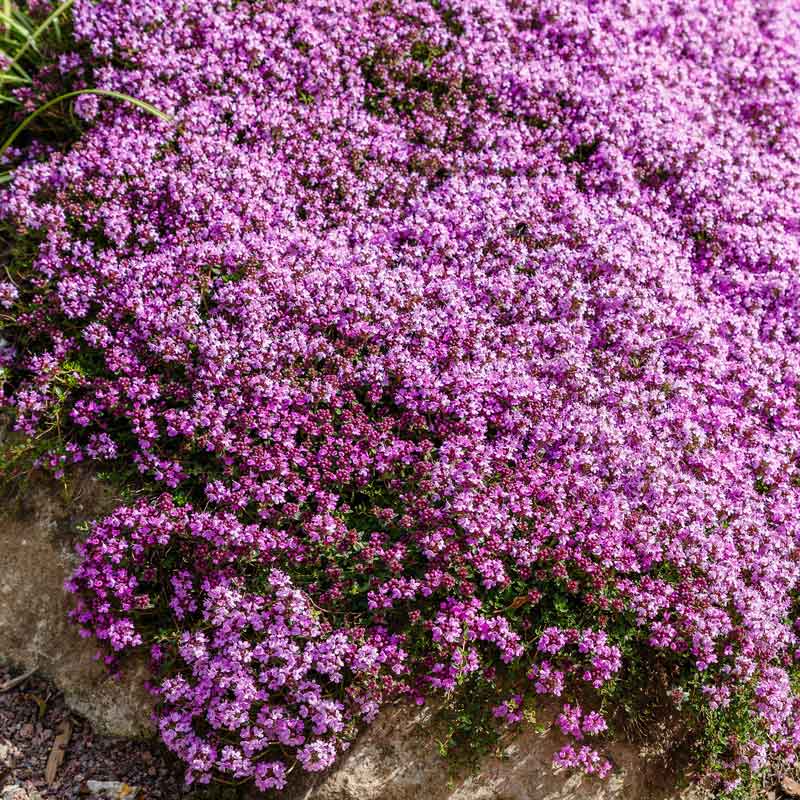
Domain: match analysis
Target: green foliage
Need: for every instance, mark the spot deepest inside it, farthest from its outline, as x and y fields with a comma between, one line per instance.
x=468, y=731
x=30, y=47
x=31, y=50
x=25, y=43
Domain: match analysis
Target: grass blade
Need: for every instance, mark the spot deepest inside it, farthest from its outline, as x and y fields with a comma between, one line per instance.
x=9, y=24
x=17, y=67
x=144, y=105
x=35, y=35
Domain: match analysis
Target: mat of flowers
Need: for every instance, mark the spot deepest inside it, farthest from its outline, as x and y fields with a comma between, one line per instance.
x=450, y=340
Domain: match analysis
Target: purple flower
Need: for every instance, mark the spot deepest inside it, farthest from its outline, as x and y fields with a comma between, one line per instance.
x=431, y=324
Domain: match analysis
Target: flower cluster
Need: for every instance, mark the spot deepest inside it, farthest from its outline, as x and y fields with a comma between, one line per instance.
x=510, y=710
x=583, y=758
x=573, y=721
x=253, y=661
x=473, y=326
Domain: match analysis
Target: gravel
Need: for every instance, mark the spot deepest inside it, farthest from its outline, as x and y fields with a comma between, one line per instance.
x=32, y=713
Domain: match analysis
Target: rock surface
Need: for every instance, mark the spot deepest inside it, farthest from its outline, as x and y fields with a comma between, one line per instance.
x=112, y=790
x=37, y=538
x=397, y=759
x=15, y=792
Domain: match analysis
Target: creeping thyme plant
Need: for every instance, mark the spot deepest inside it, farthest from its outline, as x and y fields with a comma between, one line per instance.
x=449, y=345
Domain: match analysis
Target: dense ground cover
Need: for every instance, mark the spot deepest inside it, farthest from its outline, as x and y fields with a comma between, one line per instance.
x=452, y=343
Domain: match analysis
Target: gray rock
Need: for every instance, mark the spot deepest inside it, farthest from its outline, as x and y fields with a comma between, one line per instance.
x=112, y=790
x=9, y=753
x=398, y=759
x=15, y=792
x=37, y=539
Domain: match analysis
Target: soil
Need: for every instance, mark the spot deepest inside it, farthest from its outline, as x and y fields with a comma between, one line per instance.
x=32, y=714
